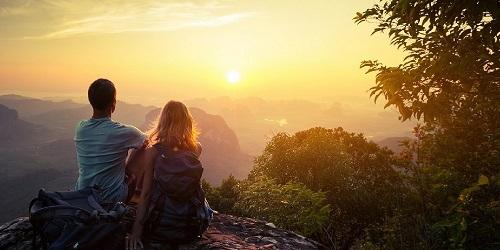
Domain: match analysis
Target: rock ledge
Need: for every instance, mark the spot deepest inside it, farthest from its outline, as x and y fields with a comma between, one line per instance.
x=225, y=232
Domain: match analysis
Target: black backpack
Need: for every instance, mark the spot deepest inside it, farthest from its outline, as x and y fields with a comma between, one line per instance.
x=179, y=212
x=75, y=220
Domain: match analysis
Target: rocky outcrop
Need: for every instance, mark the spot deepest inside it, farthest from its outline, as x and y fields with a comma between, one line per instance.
x=225, y=232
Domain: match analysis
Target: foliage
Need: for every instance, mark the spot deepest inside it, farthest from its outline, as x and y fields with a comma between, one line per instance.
x=358, y=177
x=442, y=192
x=453, y=59
x=473, y=222
x=451, y=78
x=290, y=206
x=223, y=198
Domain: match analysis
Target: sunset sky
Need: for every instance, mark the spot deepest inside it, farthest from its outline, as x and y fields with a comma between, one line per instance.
x=154, y=50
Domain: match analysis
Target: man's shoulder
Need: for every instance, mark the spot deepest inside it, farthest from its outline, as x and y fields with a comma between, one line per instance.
x=124, y=127
x=105, y=126
x=125, y=130
x=81, y=125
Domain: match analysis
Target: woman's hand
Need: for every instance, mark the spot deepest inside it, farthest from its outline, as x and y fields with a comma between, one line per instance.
x=133, y=242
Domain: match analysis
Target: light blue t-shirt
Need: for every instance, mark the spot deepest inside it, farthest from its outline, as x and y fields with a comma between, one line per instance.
x=101, y=150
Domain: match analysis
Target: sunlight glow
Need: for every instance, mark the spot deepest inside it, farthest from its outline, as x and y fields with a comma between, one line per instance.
x=233, y=77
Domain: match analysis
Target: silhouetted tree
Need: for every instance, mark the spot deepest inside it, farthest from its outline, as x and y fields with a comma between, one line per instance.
x=453, y=55
x=451, y=78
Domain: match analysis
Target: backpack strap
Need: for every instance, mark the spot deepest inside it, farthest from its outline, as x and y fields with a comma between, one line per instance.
x=162, y=149
x=162, y=152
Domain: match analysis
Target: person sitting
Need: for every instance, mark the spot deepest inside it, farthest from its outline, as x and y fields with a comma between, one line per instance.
x=172, y=207
x=103, y=146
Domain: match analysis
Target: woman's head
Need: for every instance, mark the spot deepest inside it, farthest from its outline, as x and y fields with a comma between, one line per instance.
x=175, y=127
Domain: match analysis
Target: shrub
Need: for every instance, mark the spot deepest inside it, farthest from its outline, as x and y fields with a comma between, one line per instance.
x=291, y=206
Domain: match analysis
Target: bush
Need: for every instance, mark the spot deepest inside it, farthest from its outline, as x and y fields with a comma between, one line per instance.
x=223, y=198
x=473, y=222
x=291, y=206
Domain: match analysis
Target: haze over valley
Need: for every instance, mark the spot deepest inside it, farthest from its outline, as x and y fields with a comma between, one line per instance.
x=37, y=145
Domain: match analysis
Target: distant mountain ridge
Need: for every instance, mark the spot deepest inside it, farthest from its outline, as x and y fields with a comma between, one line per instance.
x=37, y=149
x=16, y=132
x=394, y=143
x=218, y=139
x=27, y=106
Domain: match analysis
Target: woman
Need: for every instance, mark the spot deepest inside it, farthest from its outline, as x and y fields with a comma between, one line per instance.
x=174, y=130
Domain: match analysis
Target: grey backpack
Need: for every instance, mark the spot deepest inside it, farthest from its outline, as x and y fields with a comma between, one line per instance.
x=75, y=220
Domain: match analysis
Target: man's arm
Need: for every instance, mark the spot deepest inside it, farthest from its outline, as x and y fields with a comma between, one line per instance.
x=132, y=152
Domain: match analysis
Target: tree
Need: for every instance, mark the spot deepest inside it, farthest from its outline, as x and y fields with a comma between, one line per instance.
x=357, y=176
x=453, y=55
x=229, y=194
x=223, y=198
x=451, y=79
x=473, y=221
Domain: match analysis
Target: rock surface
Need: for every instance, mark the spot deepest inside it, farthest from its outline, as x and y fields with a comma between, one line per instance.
x=225, y=232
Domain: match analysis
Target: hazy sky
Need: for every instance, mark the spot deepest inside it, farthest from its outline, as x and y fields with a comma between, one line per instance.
x=156, y=50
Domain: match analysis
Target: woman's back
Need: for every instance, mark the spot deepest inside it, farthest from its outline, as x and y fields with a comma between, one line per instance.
x=180, y=212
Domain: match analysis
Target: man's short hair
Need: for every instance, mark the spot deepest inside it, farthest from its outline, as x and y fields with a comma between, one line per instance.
x=102, y=94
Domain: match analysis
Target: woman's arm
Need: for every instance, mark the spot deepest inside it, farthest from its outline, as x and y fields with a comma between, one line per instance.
x=142, y=209
x=133, y=162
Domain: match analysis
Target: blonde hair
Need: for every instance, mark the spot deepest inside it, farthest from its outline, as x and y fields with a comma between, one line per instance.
x=175, y=128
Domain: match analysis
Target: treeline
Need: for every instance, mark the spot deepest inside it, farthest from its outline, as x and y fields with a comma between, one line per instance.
x=443, y=190
x=347, y=192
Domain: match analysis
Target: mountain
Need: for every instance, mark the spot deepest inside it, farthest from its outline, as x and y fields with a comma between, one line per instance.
x=393, y=143
x=255, y=120
x=17, y=132
x=221, y=155
x=37, y=149
x=221, y=149
x=30, y=158
x=65, y=120
x=27, y=106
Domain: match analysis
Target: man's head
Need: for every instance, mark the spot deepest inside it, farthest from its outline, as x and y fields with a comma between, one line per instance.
x=102, y=96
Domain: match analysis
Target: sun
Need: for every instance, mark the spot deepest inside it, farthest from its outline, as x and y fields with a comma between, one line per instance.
x=233, y=77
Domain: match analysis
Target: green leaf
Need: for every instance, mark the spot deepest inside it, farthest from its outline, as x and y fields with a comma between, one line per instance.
x=483, y=180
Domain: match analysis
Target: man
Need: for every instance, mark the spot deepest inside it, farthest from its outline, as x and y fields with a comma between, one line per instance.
x=102, y=145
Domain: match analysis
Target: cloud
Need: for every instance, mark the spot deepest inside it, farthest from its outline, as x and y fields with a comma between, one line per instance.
x=79, y=18
x=15, y=8
x=281, y=122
